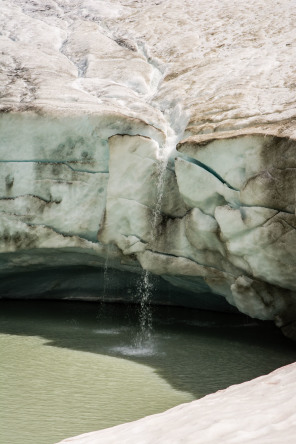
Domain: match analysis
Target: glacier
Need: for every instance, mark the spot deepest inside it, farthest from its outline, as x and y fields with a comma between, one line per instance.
x=129, y=145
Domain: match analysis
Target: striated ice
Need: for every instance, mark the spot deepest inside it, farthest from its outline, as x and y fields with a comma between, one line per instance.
x=165, y=136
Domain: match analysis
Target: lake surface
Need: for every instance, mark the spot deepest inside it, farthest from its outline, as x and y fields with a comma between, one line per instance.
x=68, y=367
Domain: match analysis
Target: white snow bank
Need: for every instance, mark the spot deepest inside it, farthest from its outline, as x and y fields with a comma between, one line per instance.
x=259, y=411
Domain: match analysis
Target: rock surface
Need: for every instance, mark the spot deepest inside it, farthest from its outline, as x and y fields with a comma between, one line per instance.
x=157, y=135
x=244, y=413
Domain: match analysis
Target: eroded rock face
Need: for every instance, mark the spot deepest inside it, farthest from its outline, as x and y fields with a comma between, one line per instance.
x=126, y=144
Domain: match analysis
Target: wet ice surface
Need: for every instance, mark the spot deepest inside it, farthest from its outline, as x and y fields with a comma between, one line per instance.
x=69, y=368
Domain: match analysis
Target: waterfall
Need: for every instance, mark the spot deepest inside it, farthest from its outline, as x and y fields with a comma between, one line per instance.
x=106, y=276
x=144, y=292
x=106, y=279
x=145, y=285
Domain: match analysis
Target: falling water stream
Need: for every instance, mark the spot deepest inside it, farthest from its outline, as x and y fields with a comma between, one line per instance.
x=145, y=284
x=176, y=126
x=106, y=276
x=144, y=289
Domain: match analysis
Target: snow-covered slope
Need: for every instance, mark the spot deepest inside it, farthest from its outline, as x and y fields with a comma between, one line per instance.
x=261, y=411
x=151, y=134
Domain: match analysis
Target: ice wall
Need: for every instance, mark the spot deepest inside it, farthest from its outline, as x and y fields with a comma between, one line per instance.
x=74, y=195
x=127, y=145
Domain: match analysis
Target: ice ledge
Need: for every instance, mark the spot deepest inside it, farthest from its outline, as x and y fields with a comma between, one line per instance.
x=260, y=411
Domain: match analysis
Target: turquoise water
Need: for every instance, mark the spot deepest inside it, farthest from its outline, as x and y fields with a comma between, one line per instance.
x=67, y=367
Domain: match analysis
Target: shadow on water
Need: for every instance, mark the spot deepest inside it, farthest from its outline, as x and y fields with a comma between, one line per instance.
x=195, y=351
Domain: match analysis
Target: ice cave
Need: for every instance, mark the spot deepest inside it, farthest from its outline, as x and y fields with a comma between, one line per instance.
x=147, y=217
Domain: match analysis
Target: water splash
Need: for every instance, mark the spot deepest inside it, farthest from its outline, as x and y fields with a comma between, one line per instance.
x=146, y=349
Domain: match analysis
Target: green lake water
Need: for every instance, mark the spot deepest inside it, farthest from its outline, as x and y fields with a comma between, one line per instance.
x=68, y=367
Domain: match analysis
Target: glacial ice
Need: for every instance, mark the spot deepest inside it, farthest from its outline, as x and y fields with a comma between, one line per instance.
x=126, y=142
